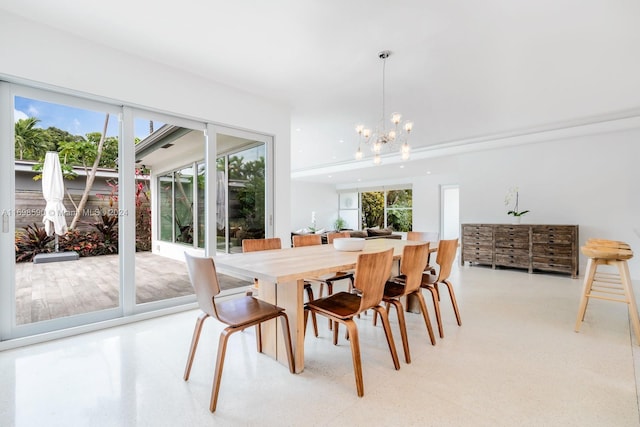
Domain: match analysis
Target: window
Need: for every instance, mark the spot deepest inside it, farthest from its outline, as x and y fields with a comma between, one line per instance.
x=399, y=212
x=349, y=210
x=178, y=210
x=383, y=208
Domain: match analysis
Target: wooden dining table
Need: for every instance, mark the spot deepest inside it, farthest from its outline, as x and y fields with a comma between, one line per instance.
x=281, y=274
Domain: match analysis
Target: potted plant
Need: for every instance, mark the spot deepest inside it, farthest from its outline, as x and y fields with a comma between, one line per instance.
x=339, y=224
x=517, y=214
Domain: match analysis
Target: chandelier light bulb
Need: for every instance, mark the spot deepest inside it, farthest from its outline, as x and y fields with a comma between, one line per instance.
x=359, y=129
x=366, y=133
x=395, y=118
x=377, y=147
x=408, y=126
x=377, y=159
x=406, y=151
x=359, y=154
x=392, y=135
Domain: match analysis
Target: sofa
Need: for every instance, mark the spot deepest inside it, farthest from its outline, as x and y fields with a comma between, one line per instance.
x=375, y=233
x=367, y=233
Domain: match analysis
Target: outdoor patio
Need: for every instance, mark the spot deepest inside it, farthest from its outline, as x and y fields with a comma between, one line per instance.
x=59, y=289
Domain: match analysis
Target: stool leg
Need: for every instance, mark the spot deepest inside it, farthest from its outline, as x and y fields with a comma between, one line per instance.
x=623, y=268
x=586, y=289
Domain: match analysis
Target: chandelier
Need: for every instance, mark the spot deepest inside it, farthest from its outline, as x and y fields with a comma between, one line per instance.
x=380, y=138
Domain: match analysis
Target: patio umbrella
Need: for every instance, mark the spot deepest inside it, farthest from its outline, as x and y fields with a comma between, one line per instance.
x=53, y=191
x=221, y=211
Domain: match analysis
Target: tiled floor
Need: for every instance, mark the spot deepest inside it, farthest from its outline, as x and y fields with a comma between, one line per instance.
x=516, y=361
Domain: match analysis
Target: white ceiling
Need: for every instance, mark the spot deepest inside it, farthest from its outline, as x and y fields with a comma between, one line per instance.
x=460, y=68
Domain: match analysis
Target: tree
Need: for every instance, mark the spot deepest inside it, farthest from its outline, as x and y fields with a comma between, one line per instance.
x=91, y=174
x=251, y=194
x=29, y=140
x=83, y=152
x=372, y=209
x=56, y=136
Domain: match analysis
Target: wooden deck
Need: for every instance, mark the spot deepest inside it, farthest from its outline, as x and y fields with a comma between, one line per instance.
x=59, y=289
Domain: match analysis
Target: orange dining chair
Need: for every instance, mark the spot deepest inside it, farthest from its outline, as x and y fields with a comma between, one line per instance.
x=372, y=271
x=253, y=245
x=237, y=313
x=425, y=236
x=313, y=240
x=446, y=254
x=411, y=269
x=340, y=275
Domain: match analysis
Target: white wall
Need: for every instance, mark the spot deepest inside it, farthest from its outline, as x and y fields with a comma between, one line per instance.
x=309, y=197
x=42, y=56
x=590, y=180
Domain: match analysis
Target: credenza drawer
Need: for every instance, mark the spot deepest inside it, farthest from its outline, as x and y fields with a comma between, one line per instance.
x=553, y=238
x=479, y=258
x=561, y=268
x=552, y=250
x=512, y=261
x=504, y=243
x=552, y=261
x=513, y=252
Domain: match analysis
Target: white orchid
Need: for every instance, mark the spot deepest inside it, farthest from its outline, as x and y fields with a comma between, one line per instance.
x=511, y=193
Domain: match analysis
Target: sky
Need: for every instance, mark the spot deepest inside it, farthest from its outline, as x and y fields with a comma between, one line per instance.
x=76, y=121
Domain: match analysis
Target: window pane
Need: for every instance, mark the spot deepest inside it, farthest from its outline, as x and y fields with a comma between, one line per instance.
x=399, y=199
x=81, y=207
x=183, y=205
x=400, y=219
x=373, y=209
x=350, y=218
x=165, y=185
x=247, y=193
x=201, y=192
x=399, y=212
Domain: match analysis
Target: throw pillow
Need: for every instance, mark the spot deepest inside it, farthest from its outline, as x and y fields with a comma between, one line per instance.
x=358, y=233
x=379, y=231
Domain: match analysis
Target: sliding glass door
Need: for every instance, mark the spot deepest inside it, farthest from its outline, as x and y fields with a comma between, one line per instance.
x=137, y=190
x=243, y=209
x=63, y=212
x=170, y=203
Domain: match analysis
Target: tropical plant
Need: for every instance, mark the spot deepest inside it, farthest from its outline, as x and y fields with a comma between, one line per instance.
x=29, y=140
x=30, y=242
x=143, y=210
x=339, y=223
x=108, y=229
x=83, y=243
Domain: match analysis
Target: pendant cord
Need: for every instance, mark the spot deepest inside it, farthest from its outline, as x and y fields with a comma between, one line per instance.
x=384, y=63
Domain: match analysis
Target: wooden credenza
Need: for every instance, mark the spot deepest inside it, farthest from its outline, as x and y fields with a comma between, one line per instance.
x=532, y=247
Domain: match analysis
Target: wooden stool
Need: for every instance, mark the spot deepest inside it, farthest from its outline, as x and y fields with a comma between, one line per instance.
x=608, y=286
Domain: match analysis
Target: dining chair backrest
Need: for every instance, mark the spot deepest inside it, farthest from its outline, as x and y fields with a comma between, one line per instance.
x=423, y=236
x=306, y=240
x=254, y=245
x=204, y=279
x=412, y=265
x=372, y=272
x=446, y=254
x=336, y=235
